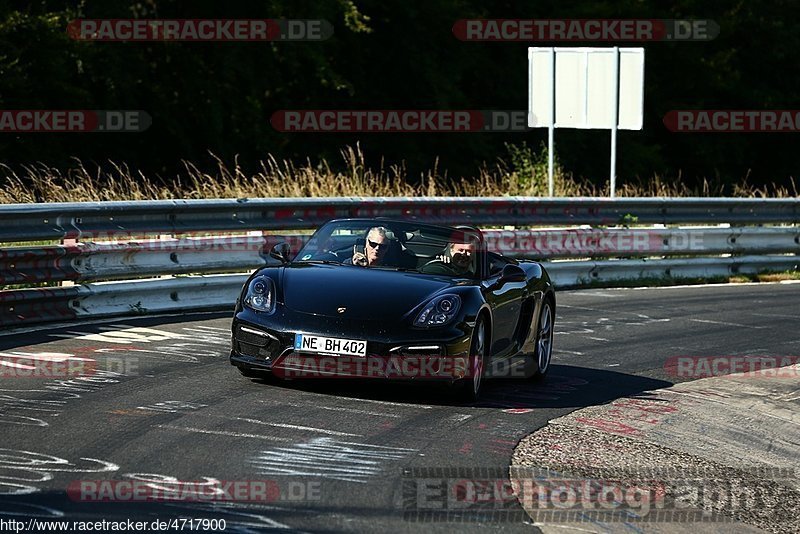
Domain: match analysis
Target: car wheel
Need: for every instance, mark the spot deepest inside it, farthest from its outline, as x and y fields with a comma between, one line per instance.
x=471, y=385
x=544, y=340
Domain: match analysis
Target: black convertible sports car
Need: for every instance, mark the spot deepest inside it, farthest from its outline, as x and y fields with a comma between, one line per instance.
x=395, y=299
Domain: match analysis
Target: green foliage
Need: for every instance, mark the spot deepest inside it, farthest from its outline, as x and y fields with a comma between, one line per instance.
x=628, y=219
x=390, y=54
x=531, y=168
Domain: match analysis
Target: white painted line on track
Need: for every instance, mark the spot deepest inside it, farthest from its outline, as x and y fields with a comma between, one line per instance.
x=280, y=425
x=329, y=408
x=298, y=427
x=389, y=403
x=724, y=323
x=328, y=458
x=562, y=351
x=215, y=328
x=582, y=308
x=781, y=315
x=82, y=322
x=459, y=417
x=223, y=433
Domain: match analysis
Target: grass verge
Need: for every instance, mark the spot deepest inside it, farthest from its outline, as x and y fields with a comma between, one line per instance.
x=521, y=172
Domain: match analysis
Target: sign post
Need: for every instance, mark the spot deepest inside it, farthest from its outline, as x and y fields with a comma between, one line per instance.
x=586, y=88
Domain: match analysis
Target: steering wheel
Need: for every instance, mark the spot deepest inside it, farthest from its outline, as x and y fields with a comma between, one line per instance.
x=437, y=267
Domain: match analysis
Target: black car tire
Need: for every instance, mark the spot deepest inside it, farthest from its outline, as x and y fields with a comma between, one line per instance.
x=470, y=387
x=544, y=340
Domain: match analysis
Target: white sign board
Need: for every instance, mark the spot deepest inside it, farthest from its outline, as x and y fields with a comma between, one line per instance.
x=589, y=88
x=582, y=87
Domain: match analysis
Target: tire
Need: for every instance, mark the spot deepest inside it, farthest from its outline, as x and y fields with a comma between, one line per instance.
x=470, y=387
x=544, y=340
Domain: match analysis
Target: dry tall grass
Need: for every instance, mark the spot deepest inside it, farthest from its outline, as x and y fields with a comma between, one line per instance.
x=42, y=183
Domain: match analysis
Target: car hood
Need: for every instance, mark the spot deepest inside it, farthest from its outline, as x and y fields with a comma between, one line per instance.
x=367, y=294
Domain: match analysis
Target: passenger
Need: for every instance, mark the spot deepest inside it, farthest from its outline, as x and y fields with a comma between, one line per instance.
x=458, y=256
x=375, y=250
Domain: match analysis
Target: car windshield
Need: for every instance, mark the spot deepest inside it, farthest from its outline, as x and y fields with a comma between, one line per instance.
x=400, y=246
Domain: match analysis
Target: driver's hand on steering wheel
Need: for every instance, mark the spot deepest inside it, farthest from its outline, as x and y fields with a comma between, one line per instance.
x=457, y=260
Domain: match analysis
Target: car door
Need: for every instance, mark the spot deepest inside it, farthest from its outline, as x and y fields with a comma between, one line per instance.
x=506, y=302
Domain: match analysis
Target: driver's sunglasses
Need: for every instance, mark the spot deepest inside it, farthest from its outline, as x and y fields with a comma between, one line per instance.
x=378, y=246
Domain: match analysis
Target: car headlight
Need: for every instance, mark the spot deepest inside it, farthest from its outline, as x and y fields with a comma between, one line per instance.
x=439, y=311
x=261, y=294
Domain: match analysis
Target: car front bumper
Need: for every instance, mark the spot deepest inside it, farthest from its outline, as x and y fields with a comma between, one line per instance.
x=263, y=342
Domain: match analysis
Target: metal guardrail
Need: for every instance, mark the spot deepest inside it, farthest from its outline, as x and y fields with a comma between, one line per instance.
x=140, y=297
x=26, y=222
x=86, y=258
x=89, y=262
x=572, y=273
x=624, y=242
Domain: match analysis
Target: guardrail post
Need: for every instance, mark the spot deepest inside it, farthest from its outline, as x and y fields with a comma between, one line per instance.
x=68, y=242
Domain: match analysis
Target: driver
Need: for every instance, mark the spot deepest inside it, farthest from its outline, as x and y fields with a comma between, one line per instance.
x=377, y=244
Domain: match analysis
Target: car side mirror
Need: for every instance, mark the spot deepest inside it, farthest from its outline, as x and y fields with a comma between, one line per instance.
x=281, y=252
x=510, y=274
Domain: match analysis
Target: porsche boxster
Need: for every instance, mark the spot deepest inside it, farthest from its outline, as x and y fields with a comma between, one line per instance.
x=378, y=298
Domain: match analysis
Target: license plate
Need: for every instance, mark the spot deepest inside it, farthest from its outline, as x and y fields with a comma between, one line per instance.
x=329, y=345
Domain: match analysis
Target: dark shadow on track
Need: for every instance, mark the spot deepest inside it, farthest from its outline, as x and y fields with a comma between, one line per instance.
x=564, y=387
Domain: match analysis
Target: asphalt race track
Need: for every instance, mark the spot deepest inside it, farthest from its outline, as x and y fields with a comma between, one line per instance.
x=161, y=403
